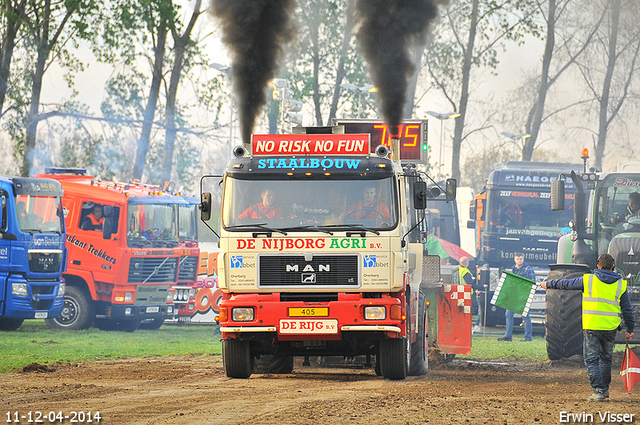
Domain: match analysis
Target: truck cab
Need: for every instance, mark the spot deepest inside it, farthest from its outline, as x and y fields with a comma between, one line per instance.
x=124, y=261
x=32, y=250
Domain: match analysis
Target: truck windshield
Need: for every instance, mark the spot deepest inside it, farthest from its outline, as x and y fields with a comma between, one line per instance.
x=188, y=222
x=152, y=225
x=309, y=204
x=616, y=212
x=526, y=213
x=39, y=214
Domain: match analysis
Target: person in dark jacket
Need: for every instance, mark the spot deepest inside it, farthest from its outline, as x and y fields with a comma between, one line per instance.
x=604, y=298
x=525, y=270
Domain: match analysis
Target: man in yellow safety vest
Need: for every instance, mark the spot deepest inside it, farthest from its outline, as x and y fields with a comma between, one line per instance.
x=604, y=298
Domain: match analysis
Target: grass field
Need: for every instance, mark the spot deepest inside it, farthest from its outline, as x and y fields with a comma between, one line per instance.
x=34, y=342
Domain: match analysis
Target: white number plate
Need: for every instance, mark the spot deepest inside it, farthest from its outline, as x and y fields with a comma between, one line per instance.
x=41, y=315
x=153, y=309
x=302, y=326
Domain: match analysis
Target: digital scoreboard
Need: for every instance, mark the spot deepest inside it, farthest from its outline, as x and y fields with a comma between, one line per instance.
x=412, y=135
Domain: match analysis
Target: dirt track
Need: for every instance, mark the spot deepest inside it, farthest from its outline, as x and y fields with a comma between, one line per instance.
x=194, y=390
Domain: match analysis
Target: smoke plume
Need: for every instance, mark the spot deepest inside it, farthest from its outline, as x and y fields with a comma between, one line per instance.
x=388, y=30
x=254, y=31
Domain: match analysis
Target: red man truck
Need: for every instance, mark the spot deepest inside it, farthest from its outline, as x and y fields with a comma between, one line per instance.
x=321, y=254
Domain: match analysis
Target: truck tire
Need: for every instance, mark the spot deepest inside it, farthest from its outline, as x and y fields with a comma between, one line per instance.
x=236, y=358
x=77, y=310
x=394, y=358
x=563, y=323
x=420, y=349
x=10, y=324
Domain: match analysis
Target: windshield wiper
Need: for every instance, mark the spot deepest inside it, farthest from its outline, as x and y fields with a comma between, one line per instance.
x=356, y=228
x=310, y=227
x=261, y=226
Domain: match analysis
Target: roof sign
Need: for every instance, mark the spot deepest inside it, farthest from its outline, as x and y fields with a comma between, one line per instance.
x=310, y=144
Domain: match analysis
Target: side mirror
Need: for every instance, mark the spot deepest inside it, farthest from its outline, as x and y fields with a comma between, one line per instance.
x=205, y=206
x=108, y=223
x=451, y=189
x=420, y=195
x=557, y=195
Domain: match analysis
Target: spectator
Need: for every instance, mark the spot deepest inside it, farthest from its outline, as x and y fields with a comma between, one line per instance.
x=524, y=270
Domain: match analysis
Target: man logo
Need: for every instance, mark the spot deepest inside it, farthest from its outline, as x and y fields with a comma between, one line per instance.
x=308, y=278
x=236, y=261
x=370, y=260
x=309, y=268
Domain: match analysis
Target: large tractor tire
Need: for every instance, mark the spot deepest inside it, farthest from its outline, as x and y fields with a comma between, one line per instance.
x=420, y=349
x=564, y=314
x=10, y=324
x=77, y=310
x=236, y=358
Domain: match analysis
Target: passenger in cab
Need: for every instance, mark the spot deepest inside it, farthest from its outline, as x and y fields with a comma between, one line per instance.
x=369, y=207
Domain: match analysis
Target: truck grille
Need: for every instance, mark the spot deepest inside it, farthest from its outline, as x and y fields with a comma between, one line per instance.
x=317, y=271
x=44, y=261
x=151, y=294
x=153, y=270
x=188, y=268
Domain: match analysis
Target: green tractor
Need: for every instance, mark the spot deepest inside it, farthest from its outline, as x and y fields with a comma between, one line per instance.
x=602, y=224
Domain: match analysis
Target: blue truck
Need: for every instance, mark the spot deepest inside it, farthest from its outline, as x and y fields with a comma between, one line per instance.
x=32, y=250
x=513, y=214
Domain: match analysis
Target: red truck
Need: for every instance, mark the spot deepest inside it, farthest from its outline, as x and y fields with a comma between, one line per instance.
x=125, y=253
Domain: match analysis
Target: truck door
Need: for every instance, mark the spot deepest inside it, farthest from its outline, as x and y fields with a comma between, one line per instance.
x=5, y=246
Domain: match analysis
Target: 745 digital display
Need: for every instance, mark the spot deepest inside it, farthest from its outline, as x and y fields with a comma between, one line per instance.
x=412, y=135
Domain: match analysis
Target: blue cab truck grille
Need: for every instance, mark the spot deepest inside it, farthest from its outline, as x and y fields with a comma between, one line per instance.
x=153, y=270
x=320, y=270
x=188, y=269
x=35, y=300
x=44, y=261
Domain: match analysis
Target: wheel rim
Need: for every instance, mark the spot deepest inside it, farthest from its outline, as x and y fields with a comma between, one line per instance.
x=69, y=313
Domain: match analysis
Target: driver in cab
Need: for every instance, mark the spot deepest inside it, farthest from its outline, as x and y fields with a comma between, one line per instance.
x=369, y=207
x=264, y=209
x=633, y=209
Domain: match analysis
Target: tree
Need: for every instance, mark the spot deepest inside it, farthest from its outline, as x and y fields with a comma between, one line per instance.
x=324, y=56
x=13, y=15
x=47, y=30
x=573, y=42
x=610, y=67
x=468, y=38
x=180, y=44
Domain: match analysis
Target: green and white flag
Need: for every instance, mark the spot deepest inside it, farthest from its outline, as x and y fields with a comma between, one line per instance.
x=514, y=293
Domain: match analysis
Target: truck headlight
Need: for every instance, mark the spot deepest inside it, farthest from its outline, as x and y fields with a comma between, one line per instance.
x=375, y=313
x=242, y=314
x=128, y=297
x=20, y=289
x=61, y=289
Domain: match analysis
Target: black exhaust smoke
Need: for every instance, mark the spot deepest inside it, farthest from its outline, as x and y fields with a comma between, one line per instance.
x=254, y=31
x=388, y=30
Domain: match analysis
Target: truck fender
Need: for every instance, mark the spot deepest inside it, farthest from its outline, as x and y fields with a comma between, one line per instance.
x=82, y=279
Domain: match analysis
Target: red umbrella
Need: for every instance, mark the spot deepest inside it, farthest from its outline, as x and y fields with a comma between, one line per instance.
x=445, y=249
